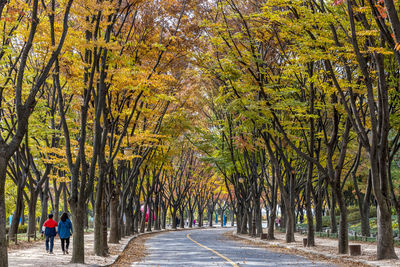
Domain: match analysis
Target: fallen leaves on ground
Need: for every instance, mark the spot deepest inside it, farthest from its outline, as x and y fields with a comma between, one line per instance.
x=293, y=251
x=135, y=251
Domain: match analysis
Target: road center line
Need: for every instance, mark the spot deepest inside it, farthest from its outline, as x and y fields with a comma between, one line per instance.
x=215, y=252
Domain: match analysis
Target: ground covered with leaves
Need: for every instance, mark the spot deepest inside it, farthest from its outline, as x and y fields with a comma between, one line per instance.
x=135, y=251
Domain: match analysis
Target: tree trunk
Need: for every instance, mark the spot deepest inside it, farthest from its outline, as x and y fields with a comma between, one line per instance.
x=159, y=218
x=87, y=216
x=13, y=231
x=271, y=224
x=283, y=211
x=243, y=228
x=121, y=217
x=98, y=240
x=258, y=218
x=191, y=218
x=200, y=219
x=333, y=213
x=32, y=215
x=137, y=217
x=232, y=214
x=289, y=224
x=385, y=248
x=129, y=219
x=343, y=237
x=398, y=222
x=44, y=198
x=150, y=220
x=3, y=240
x=157, y=213
x=365, y=228
x=164, y=218
x=318, y=214
x=182, y=221
x=23, y=213
x=174, y=218
x=65, y=198
x=114, y=220
x=385, y=243
x=239, y=221
x=210, y=216
x=250, y=222
x=310, y=222
x=105, y=214
x=57, y=193
x=143, y=219
x=78, y=247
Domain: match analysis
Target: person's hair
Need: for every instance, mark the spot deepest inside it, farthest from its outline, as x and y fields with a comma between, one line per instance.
x=64, y=217
x=50, y=216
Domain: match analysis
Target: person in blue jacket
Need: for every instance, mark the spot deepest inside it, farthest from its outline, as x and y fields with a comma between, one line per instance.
x=64, y=232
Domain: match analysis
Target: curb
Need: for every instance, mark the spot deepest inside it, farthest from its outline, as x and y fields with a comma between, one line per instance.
x=325, y=255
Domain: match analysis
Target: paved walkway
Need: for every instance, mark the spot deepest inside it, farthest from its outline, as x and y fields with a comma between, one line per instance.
x=210, y=247
x=36, y=254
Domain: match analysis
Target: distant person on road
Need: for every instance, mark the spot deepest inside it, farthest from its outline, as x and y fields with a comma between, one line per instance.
x=64, y=232
x=194, y=222
x=50, y=231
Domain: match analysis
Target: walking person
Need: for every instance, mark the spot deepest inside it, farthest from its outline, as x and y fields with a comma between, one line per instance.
x=64, y=232
x=50, y=231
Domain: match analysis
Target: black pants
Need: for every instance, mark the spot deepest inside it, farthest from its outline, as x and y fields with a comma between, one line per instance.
x=66, y=240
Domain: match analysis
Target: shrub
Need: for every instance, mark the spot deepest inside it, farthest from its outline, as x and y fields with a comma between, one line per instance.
x=22, y=229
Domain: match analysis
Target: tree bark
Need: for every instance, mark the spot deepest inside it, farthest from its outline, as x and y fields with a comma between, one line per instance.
x=271, y=225
x=99, y=246
x=32, y=215
x=243, y=228
x=200, y=219
x=3, y=240
x=343, y=237
x=150, y=218
x=164, y=218
x=157, y=213
x=19, y=205
x=174, y=219
x=290, y=218
x=78, y=248
x=44, y=198
x=143, y=218
x=114, y=236
x=191, y=218
x=332, y=213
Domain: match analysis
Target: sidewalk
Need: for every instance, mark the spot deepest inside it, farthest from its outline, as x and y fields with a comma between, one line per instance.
x=36, y=254
x=327, y=248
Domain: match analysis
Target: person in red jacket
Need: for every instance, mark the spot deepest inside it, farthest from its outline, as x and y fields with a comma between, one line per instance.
x=50, y=231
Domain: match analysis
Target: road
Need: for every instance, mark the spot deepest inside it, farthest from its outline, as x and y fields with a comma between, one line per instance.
x=211, y=248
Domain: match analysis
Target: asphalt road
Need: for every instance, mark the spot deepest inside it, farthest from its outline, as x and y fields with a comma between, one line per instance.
x=211, y=248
